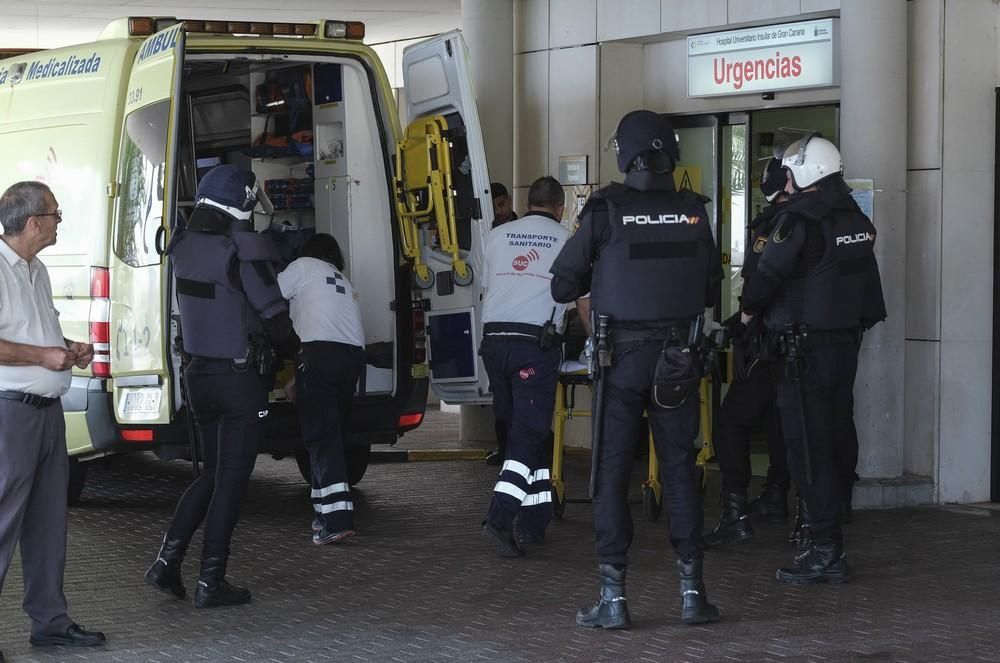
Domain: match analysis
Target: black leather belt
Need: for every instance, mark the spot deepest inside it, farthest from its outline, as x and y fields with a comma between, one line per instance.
x=28, y=399
x=506, y=328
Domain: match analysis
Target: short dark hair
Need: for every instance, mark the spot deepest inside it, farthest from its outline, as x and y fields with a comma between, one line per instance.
x=323, y=247
x=498, y=190
x=546, y=192
x=20, y=201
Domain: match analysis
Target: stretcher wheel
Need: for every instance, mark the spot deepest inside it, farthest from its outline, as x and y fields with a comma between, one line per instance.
x=650, y=505
x=424, y=283
x=459, y=280
x=558, y=504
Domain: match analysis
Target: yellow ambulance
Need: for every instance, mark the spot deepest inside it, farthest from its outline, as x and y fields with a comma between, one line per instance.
x=122, y=129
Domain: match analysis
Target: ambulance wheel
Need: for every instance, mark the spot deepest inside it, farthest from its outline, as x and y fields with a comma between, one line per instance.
x=77, y=479
x=650, y=505
x=424, y=283
x=462, y=281
x=357, y=462
x=558, y=504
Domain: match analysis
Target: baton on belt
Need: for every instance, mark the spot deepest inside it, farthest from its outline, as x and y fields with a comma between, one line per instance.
x=603, y=362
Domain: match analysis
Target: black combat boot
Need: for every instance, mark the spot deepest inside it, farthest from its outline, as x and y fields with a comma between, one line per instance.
x=165, y=573
x=695, y=608
x=772, y=503
x=734, y=523
x=801, y=534
x=823, y=562
x=611, y=611
x=213, y=589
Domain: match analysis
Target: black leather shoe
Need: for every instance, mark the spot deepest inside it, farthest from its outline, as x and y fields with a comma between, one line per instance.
x=503, y=540
x=823, y=562
x=74, y=636
x=695, y=608
x=535, y=539
x=734, y=523
x=213, y=590
x=611, y=610
x=165, y=573
x=772, y=503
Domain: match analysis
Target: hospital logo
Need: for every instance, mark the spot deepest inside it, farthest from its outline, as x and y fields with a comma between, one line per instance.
x=521, y=263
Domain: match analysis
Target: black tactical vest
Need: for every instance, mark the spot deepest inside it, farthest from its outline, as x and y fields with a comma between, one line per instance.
x=217, y=319
x=832, y=293
x=655, y=265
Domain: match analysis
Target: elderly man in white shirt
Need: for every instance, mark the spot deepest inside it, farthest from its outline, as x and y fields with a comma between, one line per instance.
x=35, y=367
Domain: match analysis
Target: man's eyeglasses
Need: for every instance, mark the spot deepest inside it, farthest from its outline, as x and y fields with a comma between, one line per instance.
x=57, y=214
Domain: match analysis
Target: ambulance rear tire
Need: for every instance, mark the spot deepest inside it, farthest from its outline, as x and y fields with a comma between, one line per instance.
x=357, y=459
x=77, y=479
x=462, y=281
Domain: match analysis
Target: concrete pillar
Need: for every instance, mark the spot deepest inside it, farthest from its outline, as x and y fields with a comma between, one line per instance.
x=873, y=143
x=488, y=27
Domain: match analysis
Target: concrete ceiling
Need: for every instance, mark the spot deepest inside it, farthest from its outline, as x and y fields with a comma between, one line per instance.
x=51, y=23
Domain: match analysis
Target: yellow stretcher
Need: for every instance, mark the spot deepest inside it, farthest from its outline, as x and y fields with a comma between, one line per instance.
x=425, y=196
x=652, y=489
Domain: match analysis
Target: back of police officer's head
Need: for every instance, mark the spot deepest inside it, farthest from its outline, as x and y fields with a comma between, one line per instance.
x=226, y=198
x=546, y=194
x=323, y=247
x=812, y=161
x=645, y=140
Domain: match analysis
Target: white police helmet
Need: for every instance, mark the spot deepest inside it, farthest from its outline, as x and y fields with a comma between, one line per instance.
x=811, y=159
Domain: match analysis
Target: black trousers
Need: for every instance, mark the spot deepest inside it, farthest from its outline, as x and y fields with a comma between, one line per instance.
x=326, y=375
x=228, y=407
x=523, y=379
x=749, y=402
x=626, y=395
x=823, y=399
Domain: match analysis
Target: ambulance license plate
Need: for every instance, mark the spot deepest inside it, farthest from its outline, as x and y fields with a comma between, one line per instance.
x=142, y=401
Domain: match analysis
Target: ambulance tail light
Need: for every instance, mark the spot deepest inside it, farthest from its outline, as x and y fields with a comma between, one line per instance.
x=141, y=26
x=137, y=435
x=419, y=337
x=410, y=420
x=344, y=30
x=259, y=28
x=99, y=321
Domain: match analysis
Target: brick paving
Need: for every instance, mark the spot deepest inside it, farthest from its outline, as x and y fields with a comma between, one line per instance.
x=419, y=584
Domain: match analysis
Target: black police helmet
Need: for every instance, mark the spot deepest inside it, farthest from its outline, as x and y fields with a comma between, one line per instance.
x=643, y=133
x=772, y=180
x=233, y=191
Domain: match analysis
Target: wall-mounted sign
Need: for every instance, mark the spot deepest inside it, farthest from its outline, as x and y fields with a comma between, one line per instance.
x=573, y=170
x=774, y=57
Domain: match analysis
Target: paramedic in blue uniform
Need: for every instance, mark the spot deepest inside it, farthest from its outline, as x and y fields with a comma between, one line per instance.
x=233, y=322
x=35, y=370
x=818, y=287
x=750, y=400
x=327, y=319
x=646, y=253
x=521, y=352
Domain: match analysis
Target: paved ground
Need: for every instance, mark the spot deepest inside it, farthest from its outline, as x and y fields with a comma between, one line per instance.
x=420, y=585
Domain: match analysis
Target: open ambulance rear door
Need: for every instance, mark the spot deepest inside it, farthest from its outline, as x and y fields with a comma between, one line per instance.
x=140, y=325
x=445, y=209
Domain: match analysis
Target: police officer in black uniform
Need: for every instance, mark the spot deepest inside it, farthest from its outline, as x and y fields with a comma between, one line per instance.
x=818, y=286
x=751, y=397
x=647, y=255
x=233, y=320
